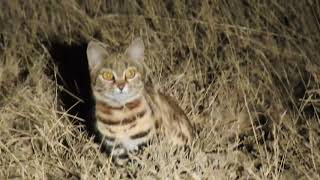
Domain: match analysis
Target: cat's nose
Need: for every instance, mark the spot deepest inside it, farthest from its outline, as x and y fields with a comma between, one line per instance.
x=121, y=85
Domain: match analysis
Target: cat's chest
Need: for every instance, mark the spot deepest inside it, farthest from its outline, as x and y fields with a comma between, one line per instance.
x=130, y=125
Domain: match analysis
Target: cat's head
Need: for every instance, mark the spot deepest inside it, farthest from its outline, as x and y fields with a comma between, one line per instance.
x=116, y=78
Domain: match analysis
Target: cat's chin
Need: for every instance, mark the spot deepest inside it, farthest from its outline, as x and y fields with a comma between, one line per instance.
x=121, y=99
x=117, y=100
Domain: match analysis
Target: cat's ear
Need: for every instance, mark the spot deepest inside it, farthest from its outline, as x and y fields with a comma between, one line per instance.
x=136, y=50
x=96, y=53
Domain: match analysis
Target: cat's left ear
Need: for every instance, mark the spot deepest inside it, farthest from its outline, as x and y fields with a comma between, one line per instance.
x=136, y=50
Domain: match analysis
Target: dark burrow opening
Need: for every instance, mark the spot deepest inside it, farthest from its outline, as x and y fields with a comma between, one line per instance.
x=70, y=68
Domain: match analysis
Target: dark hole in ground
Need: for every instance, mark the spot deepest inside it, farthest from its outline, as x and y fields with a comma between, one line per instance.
x=75, y=95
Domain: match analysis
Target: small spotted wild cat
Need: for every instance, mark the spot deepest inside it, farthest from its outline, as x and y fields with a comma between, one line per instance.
x=128, y=110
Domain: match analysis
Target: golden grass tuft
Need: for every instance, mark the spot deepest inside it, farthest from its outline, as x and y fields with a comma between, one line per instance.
x=246, y=73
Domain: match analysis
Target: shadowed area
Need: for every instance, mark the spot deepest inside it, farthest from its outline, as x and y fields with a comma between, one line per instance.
x=73, y=79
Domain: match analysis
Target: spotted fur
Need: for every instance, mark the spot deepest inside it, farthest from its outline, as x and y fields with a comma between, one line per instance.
x=129, y=111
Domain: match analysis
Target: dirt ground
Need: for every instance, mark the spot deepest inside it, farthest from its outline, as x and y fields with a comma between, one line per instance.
x=247, y=73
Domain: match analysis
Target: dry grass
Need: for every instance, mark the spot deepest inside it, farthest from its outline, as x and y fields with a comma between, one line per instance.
x=247, y=74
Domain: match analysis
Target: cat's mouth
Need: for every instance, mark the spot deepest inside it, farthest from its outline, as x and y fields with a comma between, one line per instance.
x=118, y=98
x=122, y=97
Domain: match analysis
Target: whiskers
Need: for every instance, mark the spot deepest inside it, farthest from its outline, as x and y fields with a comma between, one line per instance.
x=116, y=99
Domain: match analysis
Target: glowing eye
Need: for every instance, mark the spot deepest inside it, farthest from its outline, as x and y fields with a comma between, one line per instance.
x=107, y=75
x=130, y=73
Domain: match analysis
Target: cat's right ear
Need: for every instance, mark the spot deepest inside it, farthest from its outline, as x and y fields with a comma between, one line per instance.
x=96, y=53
